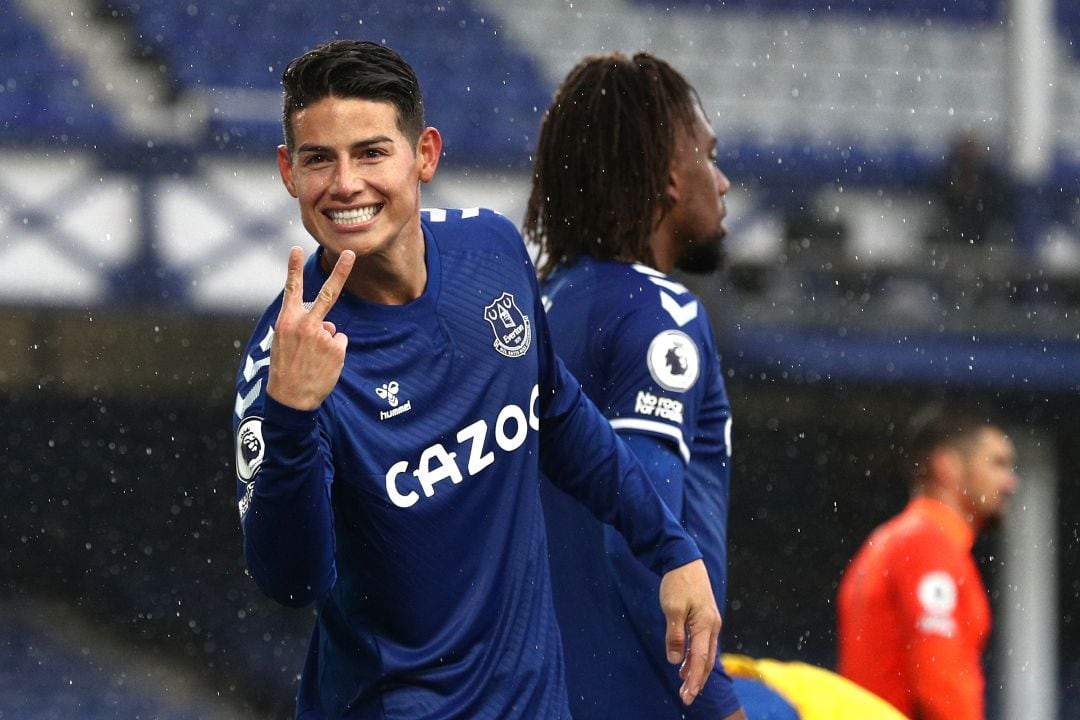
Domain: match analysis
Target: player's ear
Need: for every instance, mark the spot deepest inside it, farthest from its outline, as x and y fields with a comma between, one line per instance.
x=679, y=172
x=946, y=466
x=428, y=152
x=674, y=184
x=284, y=163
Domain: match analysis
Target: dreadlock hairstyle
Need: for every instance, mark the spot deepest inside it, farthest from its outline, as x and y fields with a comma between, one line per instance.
x=603, y=157
x=353, y=69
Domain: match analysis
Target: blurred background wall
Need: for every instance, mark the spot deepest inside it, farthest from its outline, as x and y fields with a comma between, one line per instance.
x=143, y=227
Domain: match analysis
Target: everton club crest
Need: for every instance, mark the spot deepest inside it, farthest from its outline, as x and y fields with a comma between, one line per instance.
x=510, y=325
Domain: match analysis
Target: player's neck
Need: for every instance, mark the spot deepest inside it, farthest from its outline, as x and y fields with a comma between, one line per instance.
x=663, y=251
x=953, y=500
x=395, y=276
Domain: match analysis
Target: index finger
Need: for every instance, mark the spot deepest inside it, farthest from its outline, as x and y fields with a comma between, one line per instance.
x=331, y=289
x=294, y=278
x=700, y=658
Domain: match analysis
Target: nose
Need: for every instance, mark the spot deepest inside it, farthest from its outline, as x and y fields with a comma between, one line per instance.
x=722, y=182
x=347, y=180
x=1012, y=483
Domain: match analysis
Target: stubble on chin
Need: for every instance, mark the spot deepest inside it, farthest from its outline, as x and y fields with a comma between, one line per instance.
x=702, y=258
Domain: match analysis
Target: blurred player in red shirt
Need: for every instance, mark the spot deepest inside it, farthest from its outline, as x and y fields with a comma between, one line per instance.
x=913, y=613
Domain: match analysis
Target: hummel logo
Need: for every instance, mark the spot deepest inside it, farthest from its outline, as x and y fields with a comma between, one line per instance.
x=388, y=392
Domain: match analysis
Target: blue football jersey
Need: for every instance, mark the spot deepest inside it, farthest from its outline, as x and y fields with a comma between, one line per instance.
x=407, y=506
x=642, y=347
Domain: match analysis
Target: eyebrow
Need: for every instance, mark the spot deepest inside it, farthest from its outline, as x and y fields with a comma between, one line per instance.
x=359, y=145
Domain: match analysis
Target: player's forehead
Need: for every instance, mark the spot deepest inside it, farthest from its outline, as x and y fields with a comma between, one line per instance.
x=333, y=120
x=699, y=133
x=991, y=443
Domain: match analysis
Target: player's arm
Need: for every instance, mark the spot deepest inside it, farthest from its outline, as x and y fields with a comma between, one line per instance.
x=650, y=402
x=666, y=469
x=663, y=465
x=581, y=453
x=945, y=671
x=286, y=513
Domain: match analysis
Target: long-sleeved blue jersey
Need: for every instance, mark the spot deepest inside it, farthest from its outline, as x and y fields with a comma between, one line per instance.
x=407, y=506
x=642, y=347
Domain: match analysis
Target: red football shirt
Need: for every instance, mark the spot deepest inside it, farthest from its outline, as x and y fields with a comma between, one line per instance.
x=914, y=615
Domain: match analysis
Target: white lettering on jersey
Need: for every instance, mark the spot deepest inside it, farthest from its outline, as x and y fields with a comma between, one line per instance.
x=509, y=443
x=659, y=406
x=475, y=433
x=937, y=596
x=402, y=501
x=389, y=392
x=444, y=467
x=436, y=463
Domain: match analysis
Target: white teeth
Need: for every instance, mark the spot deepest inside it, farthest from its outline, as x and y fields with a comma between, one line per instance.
x=351, y=217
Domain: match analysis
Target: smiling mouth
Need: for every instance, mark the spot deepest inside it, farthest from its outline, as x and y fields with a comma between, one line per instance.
x=354, y=216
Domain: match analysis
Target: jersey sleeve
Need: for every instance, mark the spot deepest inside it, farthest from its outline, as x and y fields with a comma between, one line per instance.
x=663, y=465
x=284, y=470
x=943, y=664
x=654, y=357
x=581, y=453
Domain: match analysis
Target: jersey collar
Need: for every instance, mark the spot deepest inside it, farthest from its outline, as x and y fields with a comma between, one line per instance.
x=950, y=521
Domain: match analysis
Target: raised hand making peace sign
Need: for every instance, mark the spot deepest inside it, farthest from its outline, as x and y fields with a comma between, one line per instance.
x=308, y=352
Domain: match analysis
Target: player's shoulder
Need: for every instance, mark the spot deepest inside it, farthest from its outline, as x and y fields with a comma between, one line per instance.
x=911, y=539
x=664, y=284
x=475, y=226
x=653, y=301
x=264, y=328
x=630, y=283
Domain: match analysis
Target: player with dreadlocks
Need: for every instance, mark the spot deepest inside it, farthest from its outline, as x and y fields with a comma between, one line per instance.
x=626, y=190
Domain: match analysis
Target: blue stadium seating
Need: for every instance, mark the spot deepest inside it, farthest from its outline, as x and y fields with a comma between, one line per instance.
x=42, y=94
x=966, y=12
x=213, y=46
x=488, y=119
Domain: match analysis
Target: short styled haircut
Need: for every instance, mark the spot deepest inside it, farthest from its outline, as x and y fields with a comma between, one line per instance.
x=353, y=69
x=937, y=426
x=603, y=158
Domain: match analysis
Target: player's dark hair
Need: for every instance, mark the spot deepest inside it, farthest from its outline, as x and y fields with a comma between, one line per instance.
x=937, y=426
x=603, y=159
x=353, y=69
